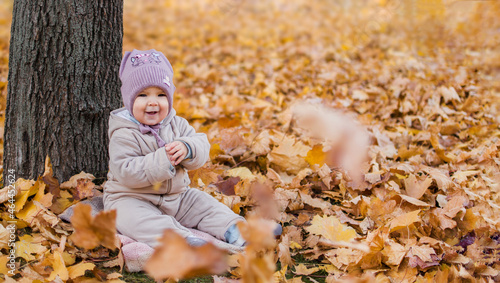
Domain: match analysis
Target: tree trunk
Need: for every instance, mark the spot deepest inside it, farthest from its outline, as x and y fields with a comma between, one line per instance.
x=63, y=82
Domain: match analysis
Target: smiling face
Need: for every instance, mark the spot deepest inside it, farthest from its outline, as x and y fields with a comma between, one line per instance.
x=150, y=106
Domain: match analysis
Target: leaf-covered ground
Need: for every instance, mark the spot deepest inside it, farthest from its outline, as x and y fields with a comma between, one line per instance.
x=369, y=130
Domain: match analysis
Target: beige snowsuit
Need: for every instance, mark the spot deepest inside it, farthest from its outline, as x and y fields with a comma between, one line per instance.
x=136, y=164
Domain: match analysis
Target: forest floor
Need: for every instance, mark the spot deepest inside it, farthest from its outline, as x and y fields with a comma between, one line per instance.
x=370, y=131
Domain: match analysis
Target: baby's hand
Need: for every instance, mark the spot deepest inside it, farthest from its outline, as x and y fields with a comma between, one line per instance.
x=176, y=151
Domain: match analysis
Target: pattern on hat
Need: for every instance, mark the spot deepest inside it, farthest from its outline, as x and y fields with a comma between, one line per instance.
x=144, y=58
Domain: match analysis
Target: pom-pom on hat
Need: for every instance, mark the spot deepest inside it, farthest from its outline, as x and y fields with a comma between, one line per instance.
x=141, y=69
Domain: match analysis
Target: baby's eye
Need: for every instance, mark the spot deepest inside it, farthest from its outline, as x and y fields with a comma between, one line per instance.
x=162, y=94
x=142, y=95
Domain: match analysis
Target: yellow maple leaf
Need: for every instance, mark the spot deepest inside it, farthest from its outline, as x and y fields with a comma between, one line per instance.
x=404, y=220
x=316, y=155
x=243, y=172
x=28, y=188
x=31, y=210
x=215, y=151
x=59, y=268
x=62, y=202
x=331, y=228
x=26, y=248
x=79, y=269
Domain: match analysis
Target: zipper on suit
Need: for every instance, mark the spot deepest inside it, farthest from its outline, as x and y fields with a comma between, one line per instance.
x=161, y=200
x=169, y=186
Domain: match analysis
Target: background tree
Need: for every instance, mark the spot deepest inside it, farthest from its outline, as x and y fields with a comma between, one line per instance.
x=63, y=82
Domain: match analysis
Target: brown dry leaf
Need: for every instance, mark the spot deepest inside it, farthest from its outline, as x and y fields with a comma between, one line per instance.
x=455, y=205
x=343, y=257
x=258, y=233
x=48, y=178
x=93, y=231
x=231, y=140
x=414, y=201
x=324, y=173
x=261, y=144
x=301, y=269
x=422, y=256
x=415, y=188
x=84, y=189
x=227, y=186
x=331, y=228
x=257, y=263
x=284, y=251
x=404, y=220
x=443, y=180
x=289, y=155
x=258, y=268
x=205, y=175
x=73, y=181
x=315, y=202
x=183, y=260
x=393, y=253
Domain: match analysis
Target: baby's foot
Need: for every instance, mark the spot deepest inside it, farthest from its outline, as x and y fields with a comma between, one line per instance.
x=233, y=236
x=194, y=241
x=277, y=230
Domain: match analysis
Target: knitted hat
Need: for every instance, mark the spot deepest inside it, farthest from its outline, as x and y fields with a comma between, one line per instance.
x=142, y=69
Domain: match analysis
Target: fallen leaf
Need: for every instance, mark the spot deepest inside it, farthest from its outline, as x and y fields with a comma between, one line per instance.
x=28, y=249
x=73, y=181
x=301, y=269
x=227, y=186
x=84, y=189
x=331, y=228
x=48, y=178
x=289, y=155
x=55, y=260
x=79, y=269
x=242, y=172
x=415, y=188
x=404, y=220
x=184, y=261
x=93, y=231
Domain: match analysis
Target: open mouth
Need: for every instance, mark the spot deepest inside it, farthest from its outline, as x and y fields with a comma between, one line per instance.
x=151, y=112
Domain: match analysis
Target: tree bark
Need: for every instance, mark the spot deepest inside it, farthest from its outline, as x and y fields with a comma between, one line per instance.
x=64, y=59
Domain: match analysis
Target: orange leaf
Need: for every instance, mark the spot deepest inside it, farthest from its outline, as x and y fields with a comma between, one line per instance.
x=93, y=231
x=175, y=258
